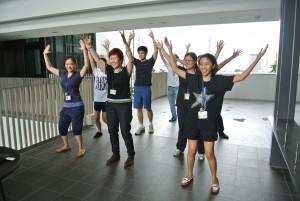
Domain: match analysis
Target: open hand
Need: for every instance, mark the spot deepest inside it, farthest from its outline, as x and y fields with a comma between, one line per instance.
x=47, y=50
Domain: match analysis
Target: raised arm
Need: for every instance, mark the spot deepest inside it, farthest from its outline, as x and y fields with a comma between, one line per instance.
x=220, y=46
x=88, y=44
x=241, y=77
x=128, y=53
x=151, y=34
x=131, y=37
x=226, y=61
x=106, y=44
x=85, y=67
x=49, y=66
x=162, y=56
x=172, y=59
x=187, y=47
x=92, y=62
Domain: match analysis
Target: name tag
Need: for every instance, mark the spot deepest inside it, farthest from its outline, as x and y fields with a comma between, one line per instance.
x=186, y=96
x=113, y=92
x=202, y=115
x=68, y=97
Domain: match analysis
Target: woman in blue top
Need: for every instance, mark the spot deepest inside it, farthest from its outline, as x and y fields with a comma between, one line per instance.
x=205, y=103
x=73, y=110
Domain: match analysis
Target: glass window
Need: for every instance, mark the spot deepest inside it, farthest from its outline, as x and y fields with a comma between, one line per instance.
x=250, y=37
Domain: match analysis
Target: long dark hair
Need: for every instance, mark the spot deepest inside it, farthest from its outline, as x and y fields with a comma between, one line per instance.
x=213, y=60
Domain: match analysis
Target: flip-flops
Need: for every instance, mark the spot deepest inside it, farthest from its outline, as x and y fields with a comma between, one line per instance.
x=80, y=153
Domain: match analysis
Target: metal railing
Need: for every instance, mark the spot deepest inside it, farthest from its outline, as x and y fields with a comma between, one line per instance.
x=29, y=109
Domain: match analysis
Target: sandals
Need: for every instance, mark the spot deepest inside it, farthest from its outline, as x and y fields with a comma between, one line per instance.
x=80, y=153
x=186, y=181
x=63, y=149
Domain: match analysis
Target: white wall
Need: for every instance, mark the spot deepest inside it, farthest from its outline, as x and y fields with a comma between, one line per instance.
x=257, y=87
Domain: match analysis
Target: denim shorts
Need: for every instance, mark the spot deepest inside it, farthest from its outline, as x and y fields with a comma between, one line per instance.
x=142, y=97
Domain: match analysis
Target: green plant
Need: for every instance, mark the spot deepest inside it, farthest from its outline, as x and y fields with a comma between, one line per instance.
x=274, y=65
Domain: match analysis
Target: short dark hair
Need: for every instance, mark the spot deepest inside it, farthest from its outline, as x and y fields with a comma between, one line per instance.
x=118, y=52
x=143, y=48
x=213, y=60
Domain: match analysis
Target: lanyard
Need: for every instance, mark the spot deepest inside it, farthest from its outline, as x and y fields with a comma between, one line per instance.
x=66, y=85
x=203, y=95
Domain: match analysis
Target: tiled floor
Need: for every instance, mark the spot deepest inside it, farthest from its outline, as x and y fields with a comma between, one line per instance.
x=243, y=168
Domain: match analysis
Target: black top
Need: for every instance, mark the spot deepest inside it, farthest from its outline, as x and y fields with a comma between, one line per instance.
x=143, y=72
x=215, y=91
x=183, y=86
x=120, y=82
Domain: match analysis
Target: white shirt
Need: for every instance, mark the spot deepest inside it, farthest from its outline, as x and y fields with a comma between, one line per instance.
x=100, y=86
x=173, y=80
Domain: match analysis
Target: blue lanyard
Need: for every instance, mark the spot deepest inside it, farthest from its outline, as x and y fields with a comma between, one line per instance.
x=66, y=85
x=203, y=95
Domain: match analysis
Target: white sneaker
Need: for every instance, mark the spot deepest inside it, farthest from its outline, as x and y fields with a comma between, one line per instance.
x=201, y=157
x=140, y=131
x=151, y=129
x=176, y=153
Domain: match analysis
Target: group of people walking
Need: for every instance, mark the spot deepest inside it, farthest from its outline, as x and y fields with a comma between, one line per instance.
x=193, y=87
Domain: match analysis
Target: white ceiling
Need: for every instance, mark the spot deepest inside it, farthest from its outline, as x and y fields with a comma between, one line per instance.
x=38, y=18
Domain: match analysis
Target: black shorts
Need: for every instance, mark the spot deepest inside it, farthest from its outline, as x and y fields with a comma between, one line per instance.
x=195, y=129
x=196, y=134
x=100, y=106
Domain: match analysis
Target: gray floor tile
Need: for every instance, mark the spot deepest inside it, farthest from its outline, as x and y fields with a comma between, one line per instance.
x=79, y=190
x=102, y=194
x=42, y=194
x=243, y=166
x=60, y=185
x=128, y=197
x=247, y=182
x=63, y=197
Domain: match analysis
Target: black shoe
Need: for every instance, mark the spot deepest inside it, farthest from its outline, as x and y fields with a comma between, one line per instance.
x=224, y=136
x=172, y=119
x=114, y=158
x=129, y=161
x=98, y=134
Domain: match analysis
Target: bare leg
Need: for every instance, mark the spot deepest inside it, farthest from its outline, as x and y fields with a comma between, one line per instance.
x=80, y=145
x=150, y=115
x=212, y=161
x=65, y=141
x=97, y=120
x=140, y=115
x=104, y=119
x=192, y=150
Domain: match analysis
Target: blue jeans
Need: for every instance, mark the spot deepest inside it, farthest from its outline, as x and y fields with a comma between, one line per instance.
x=172, y=96
x=120, y=114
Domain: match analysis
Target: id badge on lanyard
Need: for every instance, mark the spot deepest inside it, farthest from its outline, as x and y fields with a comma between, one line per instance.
x=187, y=95
x=67, y=95
x=113, y=91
